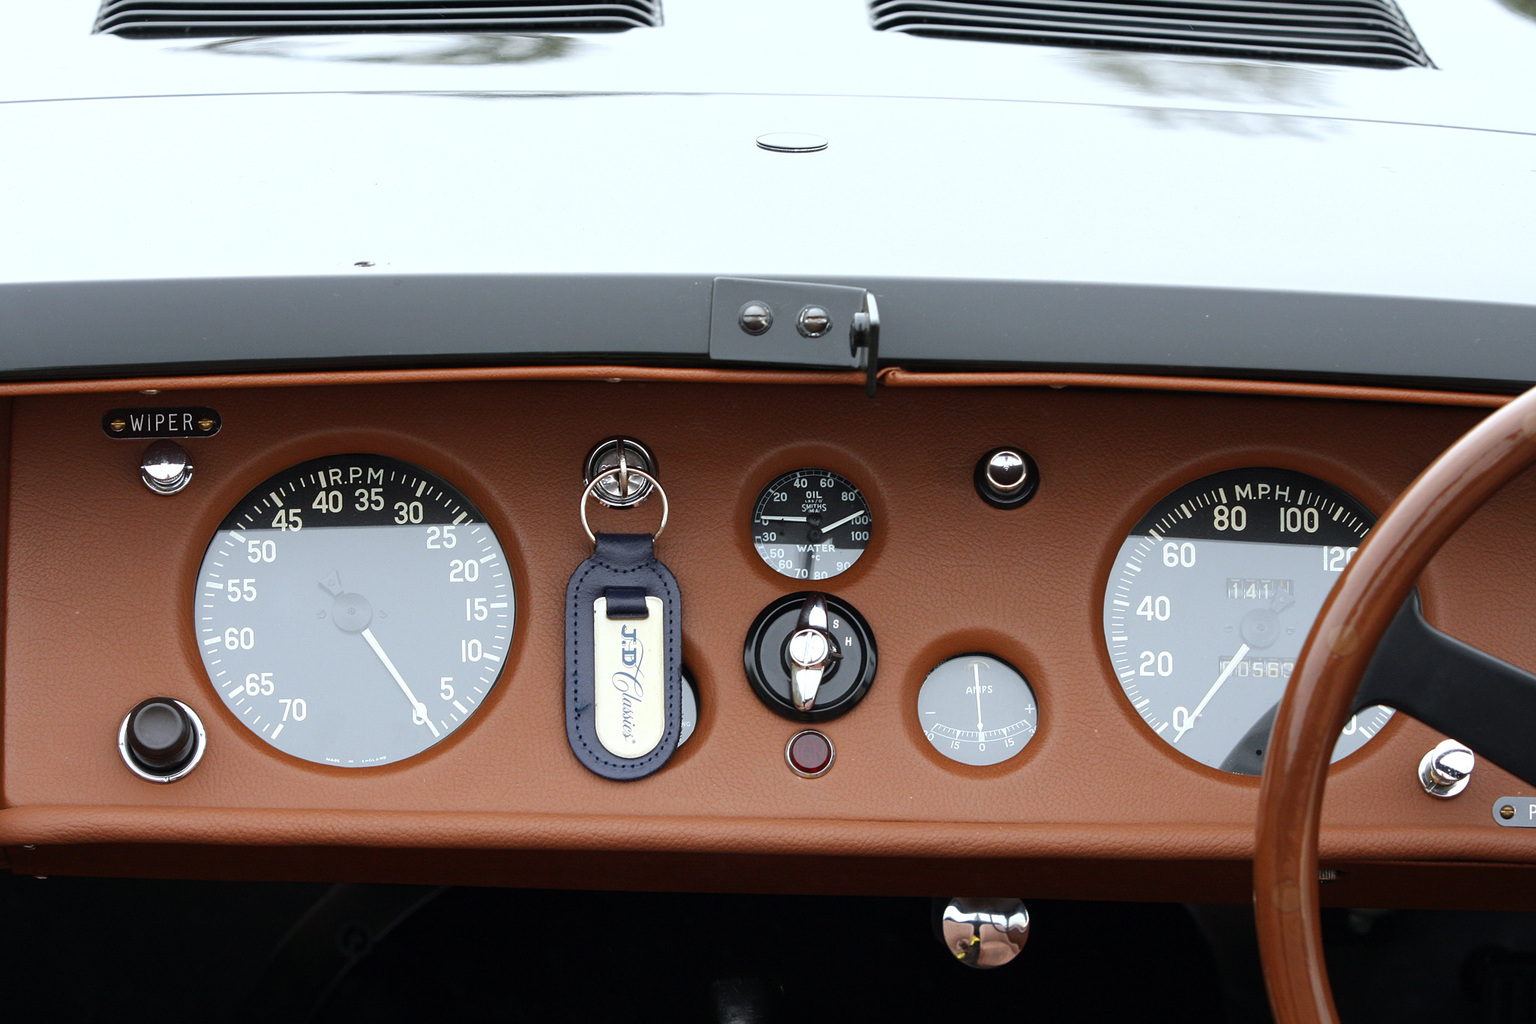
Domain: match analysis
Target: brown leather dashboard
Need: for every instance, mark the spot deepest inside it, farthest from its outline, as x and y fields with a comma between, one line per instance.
x=99, y=583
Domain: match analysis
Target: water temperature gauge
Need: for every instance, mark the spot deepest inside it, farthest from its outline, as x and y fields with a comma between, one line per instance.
x=977, y=709
x=810, y=524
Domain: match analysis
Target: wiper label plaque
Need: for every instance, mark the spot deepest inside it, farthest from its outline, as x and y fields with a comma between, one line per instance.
x=148, y=423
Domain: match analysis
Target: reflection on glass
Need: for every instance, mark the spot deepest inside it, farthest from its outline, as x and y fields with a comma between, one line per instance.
x=1525, y=7
x=1224, y=81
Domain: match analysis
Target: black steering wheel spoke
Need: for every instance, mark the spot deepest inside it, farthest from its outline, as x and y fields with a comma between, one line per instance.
x=1452, y=686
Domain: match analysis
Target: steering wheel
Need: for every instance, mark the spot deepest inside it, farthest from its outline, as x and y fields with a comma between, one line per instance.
x=1341, y=669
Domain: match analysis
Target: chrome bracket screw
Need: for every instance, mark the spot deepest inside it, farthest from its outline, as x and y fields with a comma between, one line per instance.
x=755, y=318
x=813, y=322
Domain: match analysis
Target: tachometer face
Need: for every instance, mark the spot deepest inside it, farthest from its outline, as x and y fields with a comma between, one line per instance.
x=354, y=610
x=1211, y=598
x=810, y=524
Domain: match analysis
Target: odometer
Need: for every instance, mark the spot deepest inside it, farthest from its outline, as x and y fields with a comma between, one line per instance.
x=1211, y=598
x=354, y=610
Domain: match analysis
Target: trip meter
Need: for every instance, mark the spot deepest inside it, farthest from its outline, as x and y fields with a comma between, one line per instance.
x=354, y=610
x=1211, y=598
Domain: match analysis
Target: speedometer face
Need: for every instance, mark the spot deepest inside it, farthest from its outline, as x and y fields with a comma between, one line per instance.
x=810, y=524
x=354, y=610
x=1211, y=598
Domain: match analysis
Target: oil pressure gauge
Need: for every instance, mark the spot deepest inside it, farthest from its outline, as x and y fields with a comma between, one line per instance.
x=810, y=524
x=977, y=709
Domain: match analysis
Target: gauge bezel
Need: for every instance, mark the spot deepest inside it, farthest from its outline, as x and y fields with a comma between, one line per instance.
x=1155, y=491
x=808, y=471
x=273, y=460
x=993, y=644
x=847, y=464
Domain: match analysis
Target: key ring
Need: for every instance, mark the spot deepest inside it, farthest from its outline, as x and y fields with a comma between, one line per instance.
x=615, y=471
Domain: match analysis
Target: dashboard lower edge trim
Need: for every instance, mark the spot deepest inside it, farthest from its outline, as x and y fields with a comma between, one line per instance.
x=63, y=825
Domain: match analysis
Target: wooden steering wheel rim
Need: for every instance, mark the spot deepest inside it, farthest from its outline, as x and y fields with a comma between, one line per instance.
x=1318, y=700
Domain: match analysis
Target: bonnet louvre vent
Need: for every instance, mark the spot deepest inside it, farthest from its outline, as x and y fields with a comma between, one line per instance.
x=162, y=18
x=1372, y=33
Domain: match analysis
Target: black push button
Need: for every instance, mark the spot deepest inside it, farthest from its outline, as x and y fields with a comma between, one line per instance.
x=160, y=737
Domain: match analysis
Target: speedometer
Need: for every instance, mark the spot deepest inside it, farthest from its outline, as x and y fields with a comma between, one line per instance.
x=1211, y=598
x=354, y=610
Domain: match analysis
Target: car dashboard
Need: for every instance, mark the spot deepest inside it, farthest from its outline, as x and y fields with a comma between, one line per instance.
x=1094, y=805
x=1009, y=404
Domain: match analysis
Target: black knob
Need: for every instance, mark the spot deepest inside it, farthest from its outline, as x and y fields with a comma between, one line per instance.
x=1006, y=477
x=160, y=737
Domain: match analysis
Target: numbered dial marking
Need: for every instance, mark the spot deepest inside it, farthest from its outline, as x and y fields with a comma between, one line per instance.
x=810, y=524
x=1211, y=598
x=354, y=610
x=977, y=709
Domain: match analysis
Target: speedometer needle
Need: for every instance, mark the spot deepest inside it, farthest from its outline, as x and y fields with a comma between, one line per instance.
x=420, y=708
x=1226, y=673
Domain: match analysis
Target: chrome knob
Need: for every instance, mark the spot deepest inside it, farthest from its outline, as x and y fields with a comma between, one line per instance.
x=1446, y=770
x=1006, y=477
x=166, y=467
x=1007, y=472
x=812, y=649
x=984, y=932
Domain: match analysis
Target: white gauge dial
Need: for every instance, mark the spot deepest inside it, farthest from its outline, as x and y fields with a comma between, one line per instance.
x=977, y=709
x=1211, y=599
x=354, y=610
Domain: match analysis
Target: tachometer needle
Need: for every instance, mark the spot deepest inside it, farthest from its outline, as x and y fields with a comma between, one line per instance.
x=419, y=708
x=1226, y=673
x=846, y=519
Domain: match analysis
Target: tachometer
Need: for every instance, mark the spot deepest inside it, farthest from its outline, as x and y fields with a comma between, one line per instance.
x=1211, y=598
x=354, y=610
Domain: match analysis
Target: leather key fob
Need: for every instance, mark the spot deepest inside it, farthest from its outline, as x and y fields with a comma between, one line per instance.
x=623, y=659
